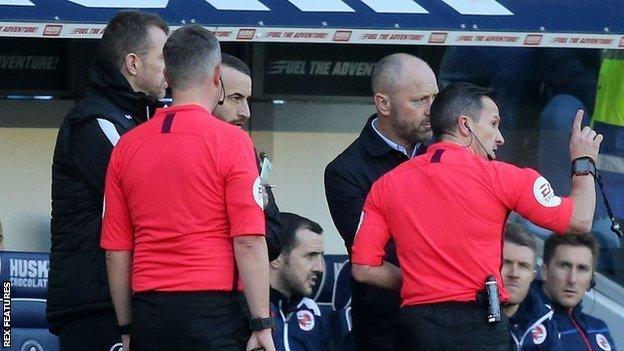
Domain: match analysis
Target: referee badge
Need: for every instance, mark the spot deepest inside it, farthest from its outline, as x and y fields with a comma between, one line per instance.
x=257, y=193
x=544, y=193
x=306, y=320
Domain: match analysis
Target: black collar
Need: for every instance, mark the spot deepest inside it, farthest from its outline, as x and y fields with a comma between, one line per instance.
x=375, y=145
x=105, y=79
x=371, y=141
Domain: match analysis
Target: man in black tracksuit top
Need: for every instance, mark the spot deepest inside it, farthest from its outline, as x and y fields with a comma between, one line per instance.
x=123, y=87
x=404, y=87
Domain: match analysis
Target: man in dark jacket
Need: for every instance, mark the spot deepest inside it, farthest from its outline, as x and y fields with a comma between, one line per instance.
x=568, y=273
x=531, y=324
x=234, y=108
x=123, y=87
x=404, y=87
x=299, y=325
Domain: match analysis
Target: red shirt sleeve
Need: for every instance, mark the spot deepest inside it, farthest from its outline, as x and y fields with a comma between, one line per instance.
x=531, y=195
x=243, y=192
x=117, y=232
x=373, y=234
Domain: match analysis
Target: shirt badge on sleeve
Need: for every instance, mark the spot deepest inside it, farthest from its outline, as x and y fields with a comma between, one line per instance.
x=257, y=192
x=544, y=193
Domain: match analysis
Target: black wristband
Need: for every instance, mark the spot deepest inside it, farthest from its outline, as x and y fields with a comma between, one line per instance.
x=256, y=324
x=583, y=166
x=124, y=329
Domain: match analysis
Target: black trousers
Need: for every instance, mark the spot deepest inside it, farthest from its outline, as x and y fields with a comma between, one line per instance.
x=375, y=313
x=451, y=327
x=184, y=321
x=90, y=331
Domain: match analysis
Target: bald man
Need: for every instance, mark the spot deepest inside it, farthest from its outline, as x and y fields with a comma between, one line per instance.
x=404, y=87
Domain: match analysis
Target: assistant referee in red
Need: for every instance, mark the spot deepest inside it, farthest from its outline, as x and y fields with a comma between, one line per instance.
x=183, y=220
x=446, y=211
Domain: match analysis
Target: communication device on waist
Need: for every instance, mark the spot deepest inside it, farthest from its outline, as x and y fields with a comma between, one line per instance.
x=491, y=290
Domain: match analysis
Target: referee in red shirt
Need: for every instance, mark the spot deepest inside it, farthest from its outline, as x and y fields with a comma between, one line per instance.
x=446, y=211
x=183, y=222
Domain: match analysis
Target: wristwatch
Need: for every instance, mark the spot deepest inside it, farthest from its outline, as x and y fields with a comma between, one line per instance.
x=256, y=324
x=583, y=166
x=124, y=329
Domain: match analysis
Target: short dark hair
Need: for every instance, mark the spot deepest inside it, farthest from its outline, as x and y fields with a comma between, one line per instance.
x=291, y=223
x=517, y=233
x=454, y=101
x=126, y=33
x=191, y=54
x=235, y=63
x=585, y=240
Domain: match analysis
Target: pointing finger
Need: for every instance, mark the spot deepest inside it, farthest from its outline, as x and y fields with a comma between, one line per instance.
x=576, y=126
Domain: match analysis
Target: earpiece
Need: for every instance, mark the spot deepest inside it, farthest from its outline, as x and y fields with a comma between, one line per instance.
x=487, y=153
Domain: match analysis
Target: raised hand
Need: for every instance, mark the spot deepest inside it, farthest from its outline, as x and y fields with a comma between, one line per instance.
x=584, y=141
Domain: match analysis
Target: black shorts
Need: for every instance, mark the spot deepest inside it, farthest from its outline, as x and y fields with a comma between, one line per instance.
x=95, y=330
x=188, y=321
x=451, y=327
x=375, y=313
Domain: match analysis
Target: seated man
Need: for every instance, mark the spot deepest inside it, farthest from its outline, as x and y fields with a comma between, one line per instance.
x=531, y=321
x=293, y=277
x=568, y=272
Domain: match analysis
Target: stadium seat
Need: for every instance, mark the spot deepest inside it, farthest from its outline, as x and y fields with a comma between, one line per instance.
x=28, y=274
x=29, y=328
x=325, y=288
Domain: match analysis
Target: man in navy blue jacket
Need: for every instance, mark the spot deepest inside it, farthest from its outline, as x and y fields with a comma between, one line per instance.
x=568, y=273
x=531, y=322
x=299, y=325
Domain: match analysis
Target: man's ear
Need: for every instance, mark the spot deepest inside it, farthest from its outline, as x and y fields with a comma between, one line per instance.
x=132, y=63
x=463, y=125
x=216, y=78
x=166, y=75
x=277, y=263
x=382, y=102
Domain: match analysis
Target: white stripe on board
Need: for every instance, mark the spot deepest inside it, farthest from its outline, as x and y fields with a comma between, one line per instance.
x=479, y=7
x=134, y=4
x=16, y=3
x=238, y=5
x=321, y=5
x=394, y=6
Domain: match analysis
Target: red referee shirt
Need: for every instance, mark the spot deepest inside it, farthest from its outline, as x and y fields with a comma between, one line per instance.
x=178, y=189
x=446, y=211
